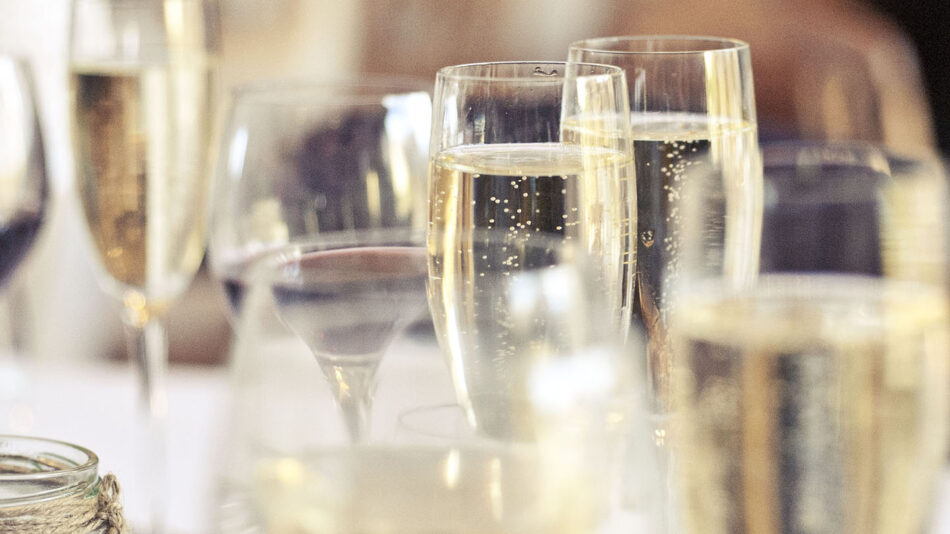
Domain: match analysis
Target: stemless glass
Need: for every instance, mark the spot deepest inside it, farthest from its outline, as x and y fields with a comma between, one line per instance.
x=141, y=86
x=522, y=153
x=693, y=115
x=815, y=398
x=297, y=160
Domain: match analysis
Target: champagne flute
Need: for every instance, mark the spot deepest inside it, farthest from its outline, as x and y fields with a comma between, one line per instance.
x=141, y=83
x=299, y=159
x=521, y=153
x=693, y=115
x=815, y=398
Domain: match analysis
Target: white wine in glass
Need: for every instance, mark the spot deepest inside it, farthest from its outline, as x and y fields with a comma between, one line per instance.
x=811, y=403
x=693, y=119
x=527, y=160
x=141, y=89
x=814, y=398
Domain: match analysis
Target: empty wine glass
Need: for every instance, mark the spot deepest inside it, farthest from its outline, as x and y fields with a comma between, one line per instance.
x=297, y=160
x=815, y=396
x=141, y=89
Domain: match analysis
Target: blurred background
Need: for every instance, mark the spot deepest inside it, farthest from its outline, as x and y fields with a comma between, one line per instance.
x=871, y=70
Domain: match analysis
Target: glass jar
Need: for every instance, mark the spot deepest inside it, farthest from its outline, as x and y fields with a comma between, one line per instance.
x=51, y=486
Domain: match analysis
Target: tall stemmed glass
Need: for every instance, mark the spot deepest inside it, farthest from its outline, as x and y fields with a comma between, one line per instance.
x=693, y=115
x=332, y=166
x=525, y=151
x=141, y=87
x=23, y=183
x=815, y=397
x=300, y=159
x=347, y=295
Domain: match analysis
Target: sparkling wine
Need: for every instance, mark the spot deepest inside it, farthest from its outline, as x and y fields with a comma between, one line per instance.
x=140, y=136
x=672, y=150
x=347, y=304
x=496, y=210
x=702, y=170
x=814, y=403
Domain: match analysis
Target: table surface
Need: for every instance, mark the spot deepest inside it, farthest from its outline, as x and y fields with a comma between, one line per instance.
x=94, y=405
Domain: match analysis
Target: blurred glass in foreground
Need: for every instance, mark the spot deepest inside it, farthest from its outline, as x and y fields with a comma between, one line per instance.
x=815, y=398
x=568, y=461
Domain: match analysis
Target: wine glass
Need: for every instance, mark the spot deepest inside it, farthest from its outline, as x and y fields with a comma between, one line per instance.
x=815, y=397
x=346, y=296
x=693, y=115
x=300, y=159
x=141, y=87
x=292, y=465
x=23, y=182
x=522, y=153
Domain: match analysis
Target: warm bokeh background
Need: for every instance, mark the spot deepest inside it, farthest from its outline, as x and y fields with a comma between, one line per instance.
x=823, y=68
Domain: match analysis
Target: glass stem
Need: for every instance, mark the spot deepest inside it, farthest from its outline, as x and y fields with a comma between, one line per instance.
x=148, y=347
x=353, y=386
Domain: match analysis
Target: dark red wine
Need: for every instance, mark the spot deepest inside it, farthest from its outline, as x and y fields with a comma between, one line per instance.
x=347, y=304
x=16, y=238
x=234, y=290
x=233, y=275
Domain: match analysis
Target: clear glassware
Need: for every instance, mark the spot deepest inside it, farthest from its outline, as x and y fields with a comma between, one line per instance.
x=23, y=182
x=347, y=295
x=522, y=154
x=815, y=396
x=141, y=89
x=300, y=159
x=293, y=466
x=693, y=117
x=47, y=485
x=23, y=185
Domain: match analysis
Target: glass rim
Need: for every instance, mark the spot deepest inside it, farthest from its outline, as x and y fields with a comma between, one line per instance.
x=356, y=89
x=458, y=72
x=90, y=463
x=612, y=45
x=337, y=239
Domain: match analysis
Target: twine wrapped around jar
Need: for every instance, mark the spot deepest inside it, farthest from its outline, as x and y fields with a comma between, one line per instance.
x=53, y=487
x=69, y=515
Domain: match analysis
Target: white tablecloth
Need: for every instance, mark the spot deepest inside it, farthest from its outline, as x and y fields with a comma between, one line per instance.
x=94, y=405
